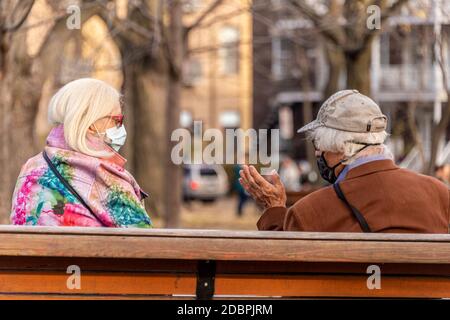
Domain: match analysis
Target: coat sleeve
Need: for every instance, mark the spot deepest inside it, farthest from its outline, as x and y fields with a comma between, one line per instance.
x=286, y=219
x=272, y=219
x=292, y=220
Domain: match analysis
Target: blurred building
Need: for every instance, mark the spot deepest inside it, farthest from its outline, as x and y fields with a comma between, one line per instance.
x=290, y=69
x=218, y=69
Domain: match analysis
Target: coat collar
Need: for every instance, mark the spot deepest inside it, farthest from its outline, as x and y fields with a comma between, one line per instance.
x=56, y=139
x=371, y=167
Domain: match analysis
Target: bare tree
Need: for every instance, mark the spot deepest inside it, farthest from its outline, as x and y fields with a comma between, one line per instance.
x=21, y=79
x=178, y=49
x=172, y=192
x=417, y=139
x=17, y=107
x=439, y=130
x=351, y=37
x=153, y=53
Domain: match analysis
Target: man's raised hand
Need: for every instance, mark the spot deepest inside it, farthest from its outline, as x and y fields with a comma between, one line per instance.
x=267, y=194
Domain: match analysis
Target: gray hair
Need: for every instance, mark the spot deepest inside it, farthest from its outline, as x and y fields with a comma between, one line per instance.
x=349, y=143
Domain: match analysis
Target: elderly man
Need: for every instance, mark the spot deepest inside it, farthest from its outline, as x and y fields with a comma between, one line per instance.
x=368, y=192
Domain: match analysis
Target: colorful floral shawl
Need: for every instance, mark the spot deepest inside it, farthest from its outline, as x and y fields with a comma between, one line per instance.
x=110, y=191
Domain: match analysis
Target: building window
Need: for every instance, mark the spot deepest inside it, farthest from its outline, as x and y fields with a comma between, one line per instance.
x=185, y=119
x=191, y=6
x=192, y=72
x=229, y=50
x=289, y=60
x=230, y=119
x=395, y=50
x=286, y=122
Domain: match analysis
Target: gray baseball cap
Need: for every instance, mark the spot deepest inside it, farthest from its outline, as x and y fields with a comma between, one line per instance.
x=349, y=110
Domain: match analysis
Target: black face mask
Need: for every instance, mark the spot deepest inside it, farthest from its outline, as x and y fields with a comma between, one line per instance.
x=327, y=172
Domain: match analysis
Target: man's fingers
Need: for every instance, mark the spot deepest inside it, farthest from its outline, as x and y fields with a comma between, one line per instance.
x=276, y=179
x=248, y=188
x=244, y=180
x=253, y=182
x=244, y=184
x=248, y=176
x=257, y=177
x=243, y=175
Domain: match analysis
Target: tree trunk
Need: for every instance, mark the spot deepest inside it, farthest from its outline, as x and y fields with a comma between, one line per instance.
x=130, y=103
x=172, y=192
x=146, y=88
x=18, y=106
x=438, y=133
x=335, y=63
x=306, y=86
x=412, y=106
x=358, y=69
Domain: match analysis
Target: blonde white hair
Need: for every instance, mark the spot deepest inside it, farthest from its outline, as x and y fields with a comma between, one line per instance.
x=349, y=143
x=77, y=105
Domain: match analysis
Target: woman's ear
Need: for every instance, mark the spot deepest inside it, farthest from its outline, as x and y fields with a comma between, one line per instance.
x=93, y=129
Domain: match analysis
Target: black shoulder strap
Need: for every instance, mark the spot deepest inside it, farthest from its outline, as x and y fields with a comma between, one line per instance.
x=361, y=220
x=67, y=185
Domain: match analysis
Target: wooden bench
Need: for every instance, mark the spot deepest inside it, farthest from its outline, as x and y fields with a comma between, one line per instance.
x=134, y=263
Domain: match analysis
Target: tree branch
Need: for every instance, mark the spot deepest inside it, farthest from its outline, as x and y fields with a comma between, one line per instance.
x=202, y=16
x=24, y=6
x=385, y=15
x=332, y=34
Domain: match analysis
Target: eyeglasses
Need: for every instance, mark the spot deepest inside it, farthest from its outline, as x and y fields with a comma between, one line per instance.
x=118, y=120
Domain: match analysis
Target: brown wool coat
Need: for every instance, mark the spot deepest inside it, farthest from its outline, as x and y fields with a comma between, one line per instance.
x=392, y=200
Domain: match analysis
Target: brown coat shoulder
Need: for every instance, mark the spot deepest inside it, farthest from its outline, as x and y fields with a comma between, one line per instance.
x=390, y=198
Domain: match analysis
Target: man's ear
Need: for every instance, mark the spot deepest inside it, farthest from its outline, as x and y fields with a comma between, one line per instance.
x=333, y=158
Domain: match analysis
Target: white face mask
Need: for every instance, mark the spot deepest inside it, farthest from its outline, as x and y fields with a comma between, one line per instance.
x=116, y=137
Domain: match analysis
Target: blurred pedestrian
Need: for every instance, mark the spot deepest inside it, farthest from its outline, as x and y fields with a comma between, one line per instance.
x=243, y=196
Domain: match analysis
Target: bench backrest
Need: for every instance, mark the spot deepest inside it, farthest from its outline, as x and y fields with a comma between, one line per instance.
x=42, y=262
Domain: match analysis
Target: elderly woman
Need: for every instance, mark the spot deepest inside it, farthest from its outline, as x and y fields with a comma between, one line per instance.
x=368, y=192
x=79, y=179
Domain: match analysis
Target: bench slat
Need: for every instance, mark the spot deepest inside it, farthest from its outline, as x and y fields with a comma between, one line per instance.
x=68, y=245
x=118, y=263
x=205, y=234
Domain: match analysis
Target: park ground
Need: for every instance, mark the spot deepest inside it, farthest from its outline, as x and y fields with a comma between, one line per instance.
x=220, y=214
